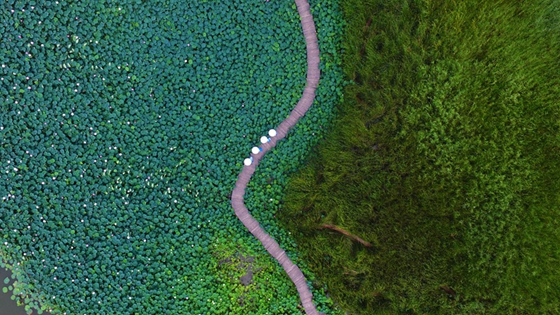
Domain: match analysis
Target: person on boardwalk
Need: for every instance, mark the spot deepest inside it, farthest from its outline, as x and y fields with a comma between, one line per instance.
x=251, y=163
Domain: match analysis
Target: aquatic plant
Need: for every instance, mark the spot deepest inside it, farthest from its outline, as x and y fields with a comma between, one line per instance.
x=123, y=126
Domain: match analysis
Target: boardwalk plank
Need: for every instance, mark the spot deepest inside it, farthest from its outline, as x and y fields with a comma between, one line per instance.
x=305, y=102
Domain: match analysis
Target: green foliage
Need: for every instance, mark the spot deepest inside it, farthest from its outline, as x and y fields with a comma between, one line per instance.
x=263, y=282
x=258, y=293
x=445, y=157
x=123, y=127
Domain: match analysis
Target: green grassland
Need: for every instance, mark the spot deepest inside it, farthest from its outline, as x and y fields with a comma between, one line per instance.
x=445, y=158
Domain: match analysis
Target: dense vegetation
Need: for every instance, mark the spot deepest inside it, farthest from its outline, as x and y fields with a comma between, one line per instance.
x=123, y=127
x=445, y=159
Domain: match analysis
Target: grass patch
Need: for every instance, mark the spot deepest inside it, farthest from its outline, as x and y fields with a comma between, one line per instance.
x=445, y=158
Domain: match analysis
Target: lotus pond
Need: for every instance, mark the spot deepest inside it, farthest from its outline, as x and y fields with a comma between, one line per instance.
x=123, y=126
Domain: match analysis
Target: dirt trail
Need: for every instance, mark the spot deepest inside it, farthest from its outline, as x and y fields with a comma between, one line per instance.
x=301, y=108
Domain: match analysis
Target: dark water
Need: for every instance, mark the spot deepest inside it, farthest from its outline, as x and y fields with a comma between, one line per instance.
x=7, y=306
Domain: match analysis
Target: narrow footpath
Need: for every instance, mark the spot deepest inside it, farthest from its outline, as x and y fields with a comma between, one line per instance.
x=252, y=162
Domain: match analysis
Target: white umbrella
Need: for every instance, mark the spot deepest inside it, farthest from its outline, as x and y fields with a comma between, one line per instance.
x=264, y=139
x=272, y=132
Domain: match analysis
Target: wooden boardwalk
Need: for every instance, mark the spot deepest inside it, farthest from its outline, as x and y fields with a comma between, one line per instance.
x=301, y=108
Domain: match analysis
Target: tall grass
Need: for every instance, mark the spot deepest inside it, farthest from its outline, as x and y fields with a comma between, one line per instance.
x=445, y=157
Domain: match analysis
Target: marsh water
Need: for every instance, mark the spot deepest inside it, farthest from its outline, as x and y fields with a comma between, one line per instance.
x=7, y=306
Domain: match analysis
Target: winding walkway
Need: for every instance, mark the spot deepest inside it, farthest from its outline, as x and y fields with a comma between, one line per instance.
x=251, y=163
